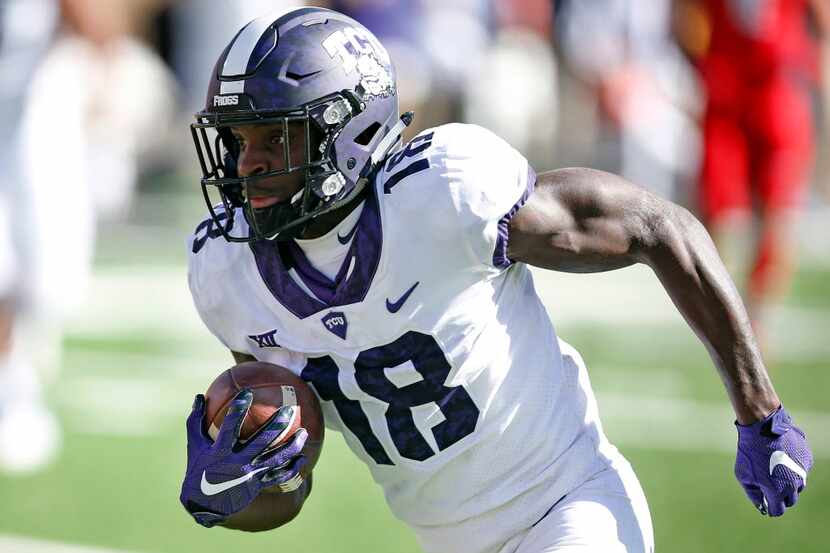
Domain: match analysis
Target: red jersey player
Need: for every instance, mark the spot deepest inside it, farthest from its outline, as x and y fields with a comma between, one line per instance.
x=758, y=63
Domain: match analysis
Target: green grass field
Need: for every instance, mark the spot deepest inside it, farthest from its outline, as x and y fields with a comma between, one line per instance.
x=134, y=359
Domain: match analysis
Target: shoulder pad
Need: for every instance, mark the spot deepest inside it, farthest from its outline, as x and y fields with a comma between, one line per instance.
x=208, y=251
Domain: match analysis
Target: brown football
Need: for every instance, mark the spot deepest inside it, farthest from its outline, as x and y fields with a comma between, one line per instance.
x=273, y=386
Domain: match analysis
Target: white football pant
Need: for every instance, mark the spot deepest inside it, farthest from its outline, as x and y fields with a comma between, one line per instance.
x=606, y=514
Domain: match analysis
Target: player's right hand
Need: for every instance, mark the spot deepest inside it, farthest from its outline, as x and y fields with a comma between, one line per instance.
x=224, y=476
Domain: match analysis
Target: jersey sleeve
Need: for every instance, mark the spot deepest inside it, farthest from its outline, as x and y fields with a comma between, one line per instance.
x=488, y=182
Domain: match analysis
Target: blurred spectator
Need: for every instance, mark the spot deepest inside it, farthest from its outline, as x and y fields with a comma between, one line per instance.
x=512, y=90
x=28, y=431
x=822, y=174
x=758, y=62
x=435, y=46
x=88, y=104
x=399, y=25
x=128, y=96
x=483, y=62
x=646, y=97
x=456, y=36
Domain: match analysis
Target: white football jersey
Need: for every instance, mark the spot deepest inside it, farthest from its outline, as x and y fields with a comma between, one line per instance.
x=430, y=352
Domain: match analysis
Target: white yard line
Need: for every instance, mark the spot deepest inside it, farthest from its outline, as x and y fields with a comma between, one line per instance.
x=210, y=359
x=16, y=544
x=680, y=424
x=150, y=406
x=130, y=299
x=156, y=300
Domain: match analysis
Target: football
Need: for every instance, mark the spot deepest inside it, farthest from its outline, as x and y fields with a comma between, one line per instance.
x=272, y=386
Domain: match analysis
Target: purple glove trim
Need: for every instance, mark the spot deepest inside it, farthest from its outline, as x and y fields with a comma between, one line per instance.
x=772, y=462
x=225, y=476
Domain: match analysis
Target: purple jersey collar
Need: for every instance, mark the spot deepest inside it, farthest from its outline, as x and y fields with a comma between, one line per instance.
x=274, y=263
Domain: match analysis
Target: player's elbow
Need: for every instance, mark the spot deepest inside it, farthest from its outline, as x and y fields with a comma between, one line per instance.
x=670, y=231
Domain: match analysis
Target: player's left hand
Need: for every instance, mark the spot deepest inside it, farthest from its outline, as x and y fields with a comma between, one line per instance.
x=773, y=461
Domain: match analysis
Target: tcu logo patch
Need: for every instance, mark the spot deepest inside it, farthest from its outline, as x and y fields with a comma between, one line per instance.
x=265, y=340
x=335, y=322
x=358, y=50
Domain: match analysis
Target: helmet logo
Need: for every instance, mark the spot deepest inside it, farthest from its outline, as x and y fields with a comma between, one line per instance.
x=231, y=100
x=358, y=50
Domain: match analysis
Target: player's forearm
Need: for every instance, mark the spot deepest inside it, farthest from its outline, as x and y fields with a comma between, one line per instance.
x=582, y=220
x=686, y=262
x=281, y=509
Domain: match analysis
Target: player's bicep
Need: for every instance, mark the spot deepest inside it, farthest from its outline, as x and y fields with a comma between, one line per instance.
x=581, y=220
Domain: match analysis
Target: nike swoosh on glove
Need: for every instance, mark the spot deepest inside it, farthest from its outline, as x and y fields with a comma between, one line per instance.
x=772, y=462
x=225, y=476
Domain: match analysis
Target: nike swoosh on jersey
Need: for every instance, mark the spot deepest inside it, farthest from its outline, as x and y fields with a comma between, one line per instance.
x=394, y=307
x=345, y=239
x=780, y=458
x=213, y=489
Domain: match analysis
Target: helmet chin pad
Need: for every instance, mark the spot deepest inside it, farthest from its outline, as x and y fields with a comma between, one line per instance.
x=277, y=216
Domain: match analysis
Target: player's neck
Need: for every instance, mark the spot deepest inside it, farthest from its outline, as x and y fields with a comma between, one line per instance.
x=321, y=225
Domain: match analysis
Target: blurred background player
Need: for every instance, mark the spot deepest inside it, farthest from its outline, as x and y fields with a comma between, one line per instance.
x=198, y=28
x=630, y=77
x=481, y=74
x=402, y=27
x=514, y=83
x=28, y=430
x=758, y=62
x=78, y=115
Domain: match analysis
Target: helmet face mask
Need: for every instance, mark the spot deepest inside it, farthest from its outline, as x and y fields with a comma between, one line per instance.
x=218, y=153
x=312, y=69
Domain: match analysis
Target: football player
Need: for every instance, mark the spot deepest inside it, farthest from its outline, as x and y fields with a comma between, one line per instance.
x=394, y=279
